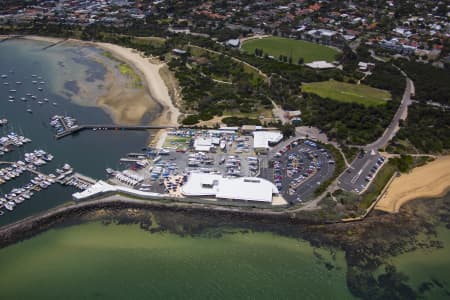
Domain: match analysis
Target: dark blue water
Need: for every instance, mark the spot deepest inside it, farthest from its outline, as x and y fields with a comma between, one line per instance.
x=89, y=152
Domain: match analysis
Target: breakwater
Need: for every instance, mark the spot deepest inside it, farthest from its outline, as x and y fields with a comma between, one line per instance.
x=33, y=225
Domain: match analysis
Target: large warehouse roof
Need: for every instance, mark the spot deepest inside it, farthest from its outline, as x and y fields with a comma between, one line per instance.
x=261, y=139
x=243, y=188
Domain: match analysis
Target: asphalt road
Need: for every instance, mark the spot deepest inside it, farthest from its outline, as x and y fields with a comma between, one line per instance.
x=393, y=127
x=354, y=178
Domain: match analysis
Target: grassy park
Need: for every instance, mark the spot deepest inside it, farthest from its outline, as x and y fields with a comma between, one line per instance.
x=277, y=46
x=346, y=92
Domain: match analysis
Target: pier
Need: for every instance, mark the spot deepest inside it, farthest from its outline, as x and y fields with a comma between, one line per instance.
x=129, y=160
x=84, y=178
x=54, y=44
x=99, y=127
x=11, y=37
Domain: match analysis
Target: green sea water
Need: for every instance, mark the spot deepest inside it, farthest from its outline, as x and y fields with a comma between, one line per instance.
x=96, y=261
x=428, y=267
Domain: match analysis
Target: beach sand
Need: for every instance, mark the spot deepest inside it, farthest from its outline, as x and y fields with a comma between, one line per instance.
x=428, y=181
x=126, y=106
x=129, y=107
x=154, y=82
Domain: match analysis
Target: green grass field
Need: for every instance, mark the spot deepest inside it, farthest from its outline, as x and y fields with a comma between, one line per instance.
x=277, y=46
x=346, y=92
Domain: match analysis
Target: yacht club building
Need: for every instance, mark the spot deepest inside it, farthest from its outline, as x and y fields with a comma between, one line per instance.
x=247, y=189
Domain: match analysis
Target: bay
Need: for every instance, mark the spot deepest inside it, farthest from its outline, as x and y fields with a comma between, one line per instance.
x=125, y=262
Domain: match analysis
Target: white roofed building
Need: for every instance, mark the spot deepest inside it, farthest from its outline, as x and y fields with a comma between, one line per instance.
x=251, y=189
x=262, y=140
x=320, y=64
x=233, y=43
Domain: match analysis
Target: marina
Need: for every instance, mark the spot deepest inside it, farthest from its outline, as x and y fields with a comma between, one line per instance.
x=28, y=115
x=40, y=181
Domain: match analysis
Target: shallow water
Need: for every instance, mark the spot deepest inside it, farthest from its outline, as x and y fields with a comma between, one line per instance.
x=125, y=262
x=428, y=267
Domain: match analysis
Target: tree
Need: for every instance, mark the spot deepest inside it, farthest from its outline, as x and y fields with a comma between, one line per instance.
x=288, y=130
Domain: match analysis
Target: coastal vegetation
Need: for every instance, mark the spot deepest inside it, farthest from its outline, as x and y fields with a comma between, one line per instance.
x=432, y=83
x=207, y=92
x=386, y=77
x=128, y=71
x=426, y=130
x=125, y=70
x=383, y=176
x=293, y=50
x=348, y=123
x=347, y=92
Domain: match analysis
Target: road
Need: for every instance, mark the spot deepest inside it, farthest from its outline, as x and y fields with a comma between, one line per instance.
x=354, y=178
x=393, y=127
x=374, y=56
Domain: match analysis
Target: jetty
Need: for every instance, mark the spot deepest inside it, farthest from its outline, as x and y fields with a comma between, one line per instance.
x=11, y=37
x=84, y=178
x=129, y=160
x=54, y=44
x=100, y=127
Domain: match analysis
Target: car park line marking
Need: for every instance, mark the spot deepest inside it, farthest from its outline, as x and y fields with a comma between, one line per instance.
x=354, y=179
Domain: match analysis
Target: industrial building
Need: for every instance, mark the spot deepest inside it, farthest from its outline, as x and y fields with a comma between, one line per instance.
x=247, y=189
x=262, y=140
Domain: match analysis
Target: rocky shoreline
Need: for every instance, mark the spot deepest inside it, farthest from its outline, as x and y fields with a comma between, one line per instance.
x=33, y=225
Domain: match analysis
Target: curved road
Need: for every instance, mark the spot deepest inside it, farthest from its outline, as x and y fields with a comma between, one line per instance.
x=393, y=127
x=354, y=178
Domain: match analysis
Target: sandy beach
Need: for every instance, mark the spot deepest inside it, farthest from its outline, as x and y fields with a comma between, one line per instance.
x=157, y=88
x=151, y=76
x=428, y=181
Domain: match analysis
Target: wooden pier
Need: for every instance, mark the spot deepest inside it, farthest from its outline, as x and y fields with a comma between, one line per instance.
x=54, y=44
x=11, y=37
x=99, y=127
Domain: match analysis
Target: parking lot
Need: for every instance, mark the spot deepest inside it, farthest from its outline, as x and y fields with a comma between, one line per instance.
x=298, y=169
x=361, y=172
